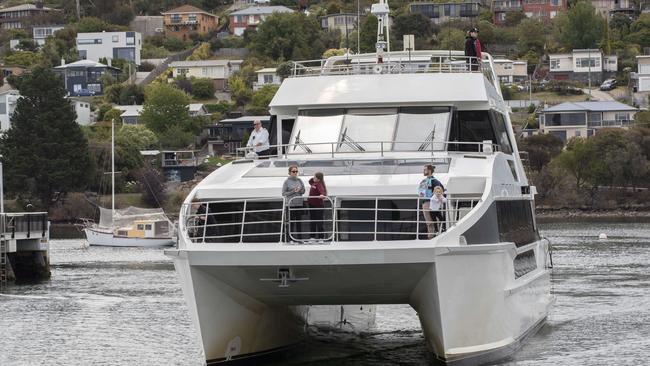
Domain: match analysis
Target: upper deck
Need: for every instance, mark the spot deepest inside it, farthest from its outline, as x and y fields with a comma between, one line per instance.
x=421, y=78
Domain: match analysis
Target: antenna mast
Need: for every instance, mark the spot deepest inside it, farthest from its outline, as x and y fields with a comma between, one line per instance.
x=381, y=10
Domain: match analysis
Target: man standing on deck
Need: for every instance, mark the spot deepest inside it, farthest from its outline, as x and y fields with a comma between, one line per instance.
x=473, y=49
x=259, y=139
x=425, y=191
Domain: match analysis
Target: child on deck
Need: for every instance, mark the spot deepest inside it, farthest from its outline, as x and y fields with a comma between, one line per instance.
x=436, y=205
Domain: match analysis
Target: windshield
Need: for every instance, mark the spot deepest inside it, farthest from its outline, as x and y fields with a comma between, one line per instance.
x=372, y=129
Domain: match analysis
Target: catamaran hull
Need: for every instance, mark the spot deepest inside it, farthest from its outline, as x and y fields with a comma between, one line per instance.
x=101, y=238
x=470, y=304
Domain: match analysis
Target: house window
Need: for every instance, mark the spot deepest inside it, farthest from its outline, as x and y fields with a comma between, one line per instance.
x=577, y=134
x=176, y=18
x=620, y=117
x=555, y=64
x=183, y=71
x=192, y=18
x=97, y=88
x=268, y=79
x=89, y=41
x=507, y=66
x=116, y=38
x=3, y=108
x=140, y=226
x=584, y=62
x=205, y=71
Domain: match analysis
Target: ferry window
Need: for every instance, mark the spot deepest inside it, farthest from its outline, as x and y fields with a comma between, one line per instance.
x=147, y=227
x=140, y=226
x=502, y=133
x=310, y=130
x=418, y=129
x=470, y=126
x=363, y=125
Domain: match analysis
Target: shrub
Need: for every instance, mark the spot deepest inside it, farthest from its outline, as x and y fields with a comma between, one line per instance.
x=202, y=88
x=146, y=66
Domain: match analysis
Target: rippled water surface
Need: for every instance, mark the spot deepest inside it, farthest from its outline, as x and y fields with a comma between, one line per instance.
x=124, y=306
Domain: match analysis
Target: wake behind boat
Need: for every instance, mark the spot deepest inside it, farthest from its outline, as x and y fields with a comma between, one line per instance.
x=480, y=283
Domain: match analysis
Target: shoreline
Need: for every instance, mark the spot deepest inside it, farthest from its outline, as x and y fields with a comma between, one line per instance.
x=551, y=215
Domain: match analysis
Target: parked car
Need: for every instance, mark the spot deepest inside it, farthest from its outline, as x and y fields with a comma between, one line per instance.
x=84, y=93
x=608, y=84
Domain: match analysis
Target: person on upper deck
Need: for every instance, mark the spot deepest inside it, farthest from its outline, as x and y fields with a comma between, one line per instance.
x=425, y=192
x=292, y=190
x=317, y=194
x=473, y=49
x=259, y=139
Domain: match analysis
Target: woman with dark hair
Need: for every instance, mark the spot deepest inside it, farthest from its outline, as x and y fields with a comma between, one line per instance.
x=292, y=190
x=317, y=194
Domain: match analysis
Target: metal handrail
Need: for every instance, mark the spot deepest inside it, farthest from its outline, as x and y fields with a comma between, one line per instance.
x=481, y=147
x=289, y=230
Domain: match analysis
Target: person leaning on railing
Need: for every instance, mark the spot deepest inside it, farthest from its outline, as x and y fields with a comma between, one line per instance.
x=259, y=139
x=292, y=190
x=317, y=194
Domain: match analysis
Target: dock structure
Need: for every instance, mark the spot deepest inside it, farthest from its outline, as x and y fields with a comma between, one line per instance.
x=24, y=246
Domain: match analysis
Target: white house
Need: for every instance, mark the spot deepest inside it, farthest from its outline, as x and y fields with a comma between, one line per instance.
x=40, y=33
x=130, y=113
x=583, y=119
x=582, y=64
x=82, y=108
x=643, y=75
x=8, y=101
x=266, y=76
x=111, y=45
x=509, y=71
x=197, y=109
x=217, y=70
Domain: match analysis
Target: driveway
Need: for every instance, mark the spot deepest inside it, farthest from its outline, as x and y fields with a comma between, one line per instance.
x=598, y=95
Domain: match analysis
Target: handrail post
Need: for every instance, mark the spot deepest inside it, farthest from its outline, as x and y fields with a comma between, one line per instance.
x=284, y=205
x=243, y=222
x=205, y=221
x=417, y=220
x=376, y=214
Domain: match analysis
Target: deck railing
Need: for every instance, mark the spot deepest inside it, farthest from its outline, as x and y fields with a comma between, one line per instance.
x=344, y=148
x=31, y=224
x=396, y=63
x=342, y=218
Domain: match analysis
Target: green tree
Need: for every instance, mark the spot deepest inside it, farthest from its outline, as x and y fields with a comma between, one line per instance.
x=241, y=93
x=580, y=160
x=202, y=88
x=640, y=31
x=45, y=154
x=451, y=39
x=23, y=58
x=513, y=18
x=532, y=36
x=129, y=141
x=413, y=23
x=259, y=104
x=166, y=113
x=541, y=149
x=582, y=27
x=92, y=24
x=289, y=36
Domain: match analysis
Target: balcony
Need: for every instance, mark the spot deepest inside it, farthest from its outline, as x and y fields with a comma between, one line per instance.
x=605, y=124
x=510, y=6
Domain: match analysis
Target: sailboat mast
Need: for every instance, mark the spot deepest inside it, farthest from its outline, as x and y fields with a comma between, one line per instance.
x=112, y=168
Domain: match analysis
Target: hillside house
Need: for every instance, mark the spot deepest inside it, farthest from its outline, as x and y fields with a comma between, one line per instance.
x=251, y=17
x=581, y=65
x=186, y=20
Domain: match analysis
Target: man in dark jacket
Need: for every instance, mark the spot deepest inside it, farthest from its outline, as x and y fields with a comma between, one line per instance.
x=473, y=49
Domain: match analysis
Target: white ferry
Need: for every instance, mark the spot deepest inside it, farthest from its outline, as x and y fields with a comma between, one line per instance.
x=250, y=273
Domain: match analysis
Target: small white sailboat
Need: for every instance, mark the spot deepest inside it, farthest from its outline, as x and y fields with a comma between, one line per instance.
x=129, y=227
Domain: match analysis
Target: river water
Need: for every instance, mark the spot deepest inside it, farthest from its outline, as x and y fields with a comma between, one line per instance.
x=109, y=306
